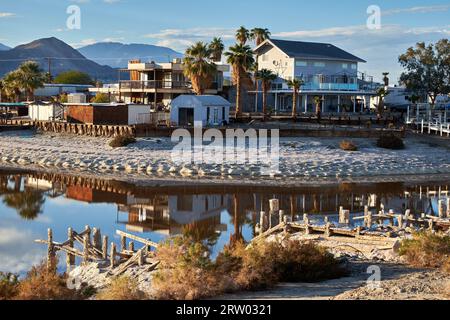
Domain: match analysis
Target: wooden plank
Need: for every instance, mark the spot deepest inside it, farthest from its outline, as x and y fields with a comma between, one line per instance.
x=138, y=239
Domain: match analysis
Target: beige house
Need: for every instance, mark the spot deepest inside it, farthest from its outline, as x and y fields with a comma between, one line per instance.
x=156, y=84
x=328, y=72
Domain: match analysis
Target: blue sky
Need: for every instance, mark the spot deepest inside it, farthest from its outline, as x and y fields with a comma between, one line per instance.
x=178, y=23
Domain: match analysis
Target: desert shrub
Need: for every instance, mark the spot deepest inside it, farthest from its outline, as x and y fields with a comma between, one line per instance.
x=121, y=289
x=390, y=141
x=252, y=268
x=427, y=250
x=122, y=141
x=307, y=262
x=43, y=284
x=8, y=285
x=263, y=265
x=186, y=272
x=348, y=146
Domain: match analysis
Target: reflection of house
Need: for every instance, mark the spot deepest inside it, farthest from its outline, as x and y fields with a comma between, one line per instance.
x=156, y=83
x=38, y=184
x=90, y=195
x=169, y=215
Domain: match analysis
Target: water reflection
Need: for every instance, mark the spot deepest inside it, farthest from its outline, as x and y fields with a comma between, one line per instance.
x=218, y=215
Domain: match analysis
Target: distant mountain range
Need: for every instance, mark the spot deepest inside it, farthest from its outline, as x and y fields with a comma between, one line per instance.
x=62, y=58
x=3, y=47
x=117, y=55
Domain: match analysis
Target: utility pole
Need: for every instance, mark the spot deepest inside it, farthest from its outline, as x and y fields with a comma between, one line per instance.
x=49, y=68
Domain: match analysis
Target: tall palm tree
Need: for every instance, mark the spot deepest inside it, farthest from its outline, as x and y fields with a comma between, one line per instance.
x=267, y=77
x=241, y=58
x=259, y=35
x=242, y=35
x=216, y=47
x=198, y=67
x=31, y=78
x=295, y=85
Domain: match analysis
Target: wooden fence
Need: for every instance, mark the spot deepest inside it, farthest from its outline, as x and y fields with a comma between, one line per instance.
x=94, y=248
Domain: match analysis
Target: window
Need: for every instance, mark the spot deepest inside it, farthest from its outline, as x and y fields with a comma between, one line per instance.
x=301, y=63
x=345, y=66
x=354, y=66
x=319, y=64
x=265, y=57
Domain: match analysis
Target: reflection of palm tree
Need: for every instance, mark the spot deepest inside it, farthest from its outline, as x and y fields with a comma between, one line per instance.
x=28, y=203
x=202, y=230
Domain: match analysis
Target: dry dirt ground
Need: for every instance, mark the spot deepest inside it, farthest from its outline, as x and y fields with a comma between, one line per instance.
x=398, y=282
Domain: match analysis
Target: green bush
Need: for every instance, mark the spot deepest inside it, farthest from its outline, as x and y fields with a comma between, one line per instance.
x=390, y=141
x=122, y=141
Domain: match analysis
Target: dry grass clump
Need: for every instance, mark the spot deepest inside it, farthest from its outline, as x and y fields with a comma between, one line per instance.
x=263, y=265
x=43, y=284
x=427, y=250
x=122, y=141
x=348, y=146
x=390, y=141
x=8, y=285
x=186, y=272
x=122, y=289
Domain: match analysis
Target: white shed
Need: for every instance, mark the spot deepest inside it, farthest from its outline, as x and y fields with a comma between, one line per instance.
x=210, y=110
x=45, y=111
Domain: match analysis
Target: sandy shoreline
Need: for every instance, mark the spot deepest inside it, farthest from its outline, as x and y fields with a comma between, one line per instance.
x=303, y=161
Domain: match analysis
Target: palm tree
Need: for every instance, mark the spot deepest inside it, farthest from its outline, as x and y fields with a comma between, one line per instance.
x=242, y=35
x=260, y=35
x=31, y=78
x=198, y=67
x=295, y=84
x=11, y=85
x=241, y=58
x=318, y=103
x=216, y=47
x=267, y=77
x=381, y=93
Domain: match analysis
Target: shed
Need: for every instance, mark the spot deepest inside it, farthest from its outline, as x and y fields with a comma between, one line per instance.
x=107, y=114
x=210, y=110
x=46, y=111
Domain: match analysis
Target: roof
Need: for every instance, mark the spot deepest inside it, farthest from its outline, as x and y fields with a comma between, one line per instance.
x=205, y=100
x=313, y=50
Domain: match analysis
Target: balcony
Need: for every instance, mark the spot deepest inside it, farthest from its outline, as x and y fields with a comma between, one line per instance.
x=330, y=83
x=154, y=84
x=159, y=84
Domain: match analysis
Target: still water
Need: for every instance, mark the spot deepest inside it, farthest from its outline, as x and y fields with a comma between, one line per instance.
x=32, y=203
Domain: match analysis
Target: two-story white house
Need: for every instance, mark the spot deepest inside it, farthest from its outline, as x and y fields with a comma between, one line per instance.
x=328, y=72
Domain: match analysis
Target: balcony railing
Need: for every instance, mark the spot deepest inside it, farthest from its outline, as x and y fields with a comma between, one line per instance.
x=159, y=84
x=154, y=84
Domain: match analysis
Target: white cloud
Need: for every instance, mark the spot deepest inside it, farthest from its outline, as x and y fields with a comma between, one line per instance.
x=381, y=48
x=7, y=14
x=419, y=9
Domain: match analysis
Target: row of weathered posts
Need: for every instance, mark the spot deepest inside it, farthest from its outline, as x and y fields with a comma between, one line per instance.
x=95, y=248
x=94, y=130
x=396, y=222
